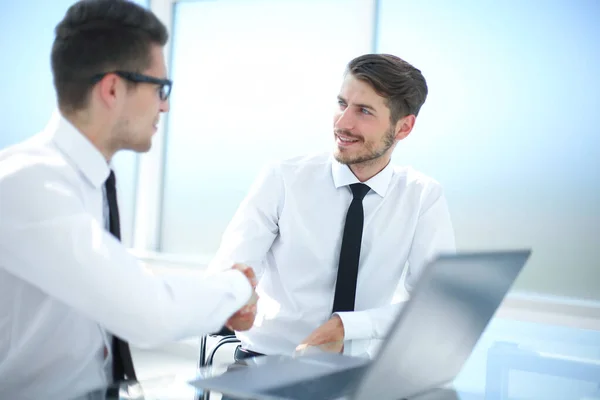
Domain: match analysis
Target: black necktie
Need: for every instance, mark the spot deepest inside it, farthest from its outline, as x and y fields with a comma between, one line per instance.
x=122, y=364
x=345, y=287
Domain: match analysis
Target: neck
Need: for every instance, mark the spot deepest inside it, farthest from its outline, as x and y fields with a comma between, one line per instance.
x=368, y=169
x=96, y=134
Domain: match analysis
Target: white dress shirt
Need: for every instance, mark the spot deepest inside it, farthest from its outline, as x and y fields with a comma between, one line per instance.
x=289, y=228
x=65, y=281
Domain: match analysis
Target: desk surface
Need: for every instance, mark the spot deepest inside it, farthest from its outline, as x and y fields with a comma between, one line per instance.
x=565, y=378
x=513, y=360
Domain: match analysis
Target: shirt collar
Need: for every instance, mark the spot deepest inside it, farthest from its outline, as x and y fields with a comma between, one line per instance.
x=78, y=149
x=343, y=176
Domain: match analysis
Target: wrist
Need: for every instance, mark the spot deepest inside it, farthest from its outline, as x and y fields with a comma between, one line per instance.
x=339, y=324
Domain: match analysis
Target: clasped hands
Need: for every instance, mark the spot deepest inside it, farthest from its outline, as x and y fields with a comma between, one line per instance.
x=243, y=319
x=328, y=337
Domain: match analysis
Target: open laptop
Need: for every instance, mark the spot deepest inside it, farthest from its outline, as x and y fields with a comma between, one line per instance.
x=426, y=346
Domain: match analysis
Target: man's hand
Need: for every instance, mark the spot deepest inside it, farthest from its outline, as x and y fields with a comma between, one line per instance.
x=243, y=319
x=328, y=337
x=248, y=272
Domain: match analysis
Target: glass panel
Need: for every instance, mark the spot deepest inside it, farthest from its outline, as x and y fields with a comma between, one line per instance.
x=510, y=127
x=254, y=81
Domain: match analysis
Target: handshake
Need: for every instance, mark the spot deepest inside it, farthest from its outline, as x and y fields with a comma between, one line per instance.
x=327, y=337
x=243, y=319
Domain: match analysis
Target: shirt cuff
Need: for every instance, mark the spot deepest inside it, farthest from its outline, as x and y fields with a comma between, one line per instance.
x=357, y=325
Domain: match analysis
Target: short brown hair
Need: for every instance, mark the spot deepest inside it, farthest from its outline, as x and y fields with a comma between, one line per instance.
x=97, y=36
x=402, y=85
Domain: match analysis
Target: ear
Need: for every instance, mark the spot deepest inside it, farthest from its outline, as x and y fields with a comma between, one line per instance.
x=109, y=90
x=404, y=126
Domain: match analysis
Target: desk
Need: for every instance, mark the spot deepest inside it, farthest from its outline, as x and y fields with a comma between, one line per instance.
x=502, y=359
x=513, y=360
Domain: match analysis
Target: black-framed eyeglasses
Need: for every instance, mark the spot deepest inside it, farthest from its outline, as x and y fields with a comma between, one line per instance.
x=164, y=85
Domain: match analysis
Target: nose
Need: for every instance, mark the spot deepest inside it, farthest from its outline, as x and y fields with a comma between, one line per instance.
x=344, y=120
x=164, y=106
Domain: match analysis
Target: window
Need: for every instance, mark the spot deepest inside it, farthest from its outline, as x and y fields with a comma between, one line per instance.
x=29, y=98
x=510, y=127
x=253, y=81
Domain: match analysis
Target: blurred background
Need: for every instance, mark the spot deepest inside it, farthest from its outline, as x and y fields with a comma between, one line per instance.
x=511, y=127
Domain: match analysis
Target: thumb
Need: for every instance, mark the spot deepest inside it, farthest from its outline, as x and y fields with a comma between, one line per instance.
x=301, y=347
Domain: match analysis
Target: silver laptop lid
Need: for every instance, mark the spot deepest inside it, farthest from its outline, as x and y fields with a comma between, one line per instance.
x=434, y=334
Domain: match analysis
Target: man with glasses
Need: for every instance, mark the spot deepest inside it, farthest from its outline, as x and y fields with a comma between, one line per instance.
x=71, y=296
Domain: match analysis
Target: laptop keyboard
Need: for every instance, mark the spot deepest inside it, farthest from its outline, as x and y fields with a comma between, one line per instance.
x=329, y=386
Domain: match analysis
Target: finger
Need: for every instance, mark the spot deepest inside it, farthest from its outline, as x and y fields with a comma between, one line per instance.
x=301, y=347
x=248, y=310
x=246, y=269
x=251, y=277
x=248, y=272
x=253, y=299
x=246, y=317
x=307, y=341
x=247, y=320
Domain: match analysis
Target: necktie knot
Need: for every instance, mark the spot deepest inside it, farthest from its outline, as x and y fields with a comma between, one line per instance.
x=111, y=180
x=359, y=190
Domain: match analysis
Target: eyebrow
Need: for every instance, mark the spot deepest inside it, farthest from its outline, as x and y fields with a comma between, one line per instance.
x=359, y=105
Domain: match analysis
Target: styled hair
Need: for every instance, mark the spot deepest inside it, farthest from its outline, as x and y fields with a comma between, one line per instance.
x=97, y=36
x=402, y=85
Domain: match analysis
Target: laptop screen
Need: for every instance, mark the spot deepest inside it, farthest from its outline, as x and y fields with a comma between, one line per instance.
x=434, y=334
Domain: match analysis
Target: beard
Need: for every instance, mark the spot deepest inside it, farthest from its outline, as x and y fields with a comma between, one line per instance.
x=127, y=136
x=368, y=151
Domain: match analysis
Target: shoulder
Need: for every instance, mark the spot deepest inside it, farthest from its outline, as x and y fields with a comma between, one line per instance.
x=409, y=179
x=32, y=166
x=310, y=163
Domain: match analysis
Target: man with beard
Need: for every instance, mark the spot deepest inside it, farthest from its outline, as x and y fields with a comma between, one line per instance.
x=330, y=235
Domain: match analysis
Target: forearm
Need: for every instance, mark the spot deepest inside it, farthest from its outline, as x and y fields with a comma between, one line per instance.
x=74, y=260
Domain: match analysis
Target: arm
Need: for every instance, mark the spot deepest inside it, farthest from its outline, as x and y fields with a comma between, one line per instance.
x=255, y=225
x=49, y=240
x=433, y=234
